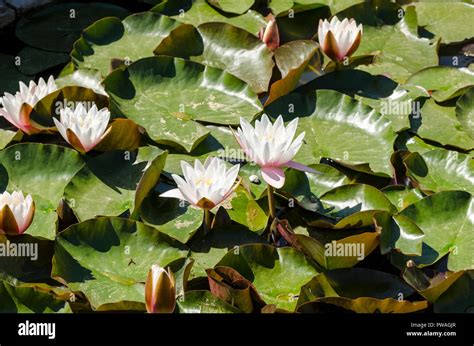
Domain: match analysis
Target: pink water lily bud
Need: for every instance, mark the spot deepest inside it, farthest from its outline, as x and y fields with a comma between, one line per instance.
x=204, y=186
x=271, y=146
x=339, y=39
x=83, y=128
x=16, y=212
x=17, y=108
x=160, y=290
x=270, y=34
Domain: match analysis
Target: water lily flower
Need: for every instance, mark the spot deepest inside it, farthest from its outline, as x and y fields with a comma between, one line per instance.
x=271, y=146
x=160, y=290
x=13, y=108
x=83, y=128
x=204, y=186
x=339, y=39
x=16, y=212
x=270, y=34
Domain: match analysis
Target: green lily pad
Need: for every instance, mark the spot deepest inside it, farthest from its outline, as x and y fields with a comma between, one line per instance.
x=333, y=251
x=399, y=233
x=443, y=19
x=84, y=78
x=107, y=185
x=203, y=302
x=355, y=83
x=258, y=187
x=276, y=273
x=294, y=24
x=155, y=163
x=445, y=82
x=465, y=111
x=56, y=27
x=172, y=217
x=280, y=6
x=446, y=219
x=44, y=225
x=233, y=6
x=129, y=40
x=40, y=169
x=399, y=105
x=459, y=298
x=292, y=59
x=246, y=57
x=402, y=196
x=32, y=266
x=430, y=288
x=441, y=125
x=328, y=115
x=363, y=305
x=399, y=52
x=248, y=212
x=143, y=92
x=108, y=260
x=353, y=283
x=307, y=187
x=7, y=136
x=201, y=12
x=344, y=201
x=414, y=143
x=11, y=76
x=124, y=134
x=24, y=299
x=208, y=251
x=35, y=60
x=441, y=170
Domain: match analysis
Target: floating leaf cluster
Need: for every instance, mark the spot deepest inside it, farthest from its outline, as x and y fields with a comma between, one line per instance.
x=305, y=176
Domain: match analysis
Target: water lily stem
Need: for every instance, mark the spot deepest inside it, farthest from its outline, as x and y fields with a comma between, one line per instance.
x=207, y=220
x=271, y=202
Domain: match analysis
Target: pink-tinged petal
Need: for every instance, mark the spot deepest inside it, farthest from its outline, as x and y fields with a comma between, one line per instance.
x=274, y=176
x=300, y=167
x=173, y=193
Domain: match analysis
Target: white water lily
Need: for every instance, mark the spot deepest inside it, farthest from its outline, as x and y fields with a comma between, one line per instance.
x=83, y=128
x=339, y=39
x=160, y=290
x=12, y=109
x=204, y=186
x=271, y=146
x=16, y=212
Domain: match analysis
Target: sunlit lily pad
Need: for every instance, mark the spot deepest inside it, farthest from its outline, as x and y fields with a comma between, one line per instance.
x=129, y=40
x=201, y=12
x=246, y=56
x=399, y=52
x=446, y=219
x=441, y=170
x=108, y=259
x=108, y=185
x=332, y=123
x=24, y=299
x=277, y=274
x=443, y=18
x=145, y=92
x=445, y=82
